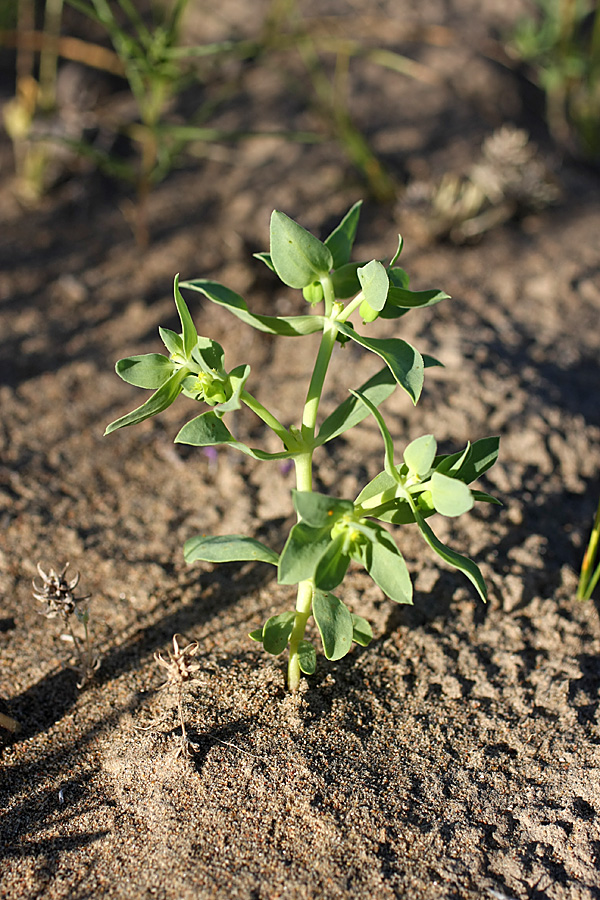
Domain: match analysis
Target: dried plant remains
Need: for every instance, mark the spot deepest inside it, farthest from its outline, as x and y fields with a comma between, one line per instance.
x=57, y=593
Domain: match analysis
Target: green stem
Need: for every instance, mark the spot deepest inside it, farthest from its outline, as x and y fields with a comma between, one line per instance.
x=268, y=418
x=588, y=578
x=315, y=389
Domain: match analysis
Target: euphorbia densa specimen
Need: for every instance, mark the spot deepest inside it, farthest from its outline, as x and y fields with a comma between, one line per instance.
x=330, y=532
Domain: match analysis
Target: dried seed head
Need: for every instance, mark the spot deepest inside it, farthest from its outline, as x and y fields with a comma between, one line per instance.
x=179, y=665
x=56, y=592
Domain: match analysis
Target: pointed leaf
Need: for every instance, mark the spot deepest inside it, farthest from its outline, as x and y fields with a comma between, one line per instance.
x=450, y=496
x=386, y=566
x=419, y=455
x=454, y=559
x=290, y=326
x=307, y=657
x=299, y=258
x=332, y=565
x=387, y=438
x=266, y=258
x=150, y=370
x=353, y=410
x=483, y=454
x=189, y=334
x=341, y=239
x=237, y=379
x=404, y=361
x=277, y=631
x=228, y=548
x=319, y=510
x=257, y=634
x=160, y=400
x=173, y=342
x=303, y=549
x=397, y=254
x=345, y=280
x=208, y=430
x=362, y=633
x=334, y=622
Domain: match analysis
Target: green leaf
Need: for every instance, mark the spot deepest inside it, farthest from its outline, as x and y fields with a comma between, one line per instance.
x=237, y=379
x=208, y=430
x=332, y=566
x=374, y=283
x=345, y=280
x=387, y=438
x=290, y=326
x=396, y=256
x=189, y=334
x=299, y=258
x=319, y=510
x=228, y=548
x=160, y=400
x=362, y=633
x=404, y=361
x=257, y=634
x=419, y=455
x=150, y=370
x=454, y=559
x=277, y=631
x=450, y=496
x=208, y=354
x=405, y=299
x=172, y=341
x=353, y=410
x=334, y=622
x=302, y=551
x=341, y=239
x=485, y=498
x=307, y=657
x=266, y=258
x=483, y=454
x=386, y=566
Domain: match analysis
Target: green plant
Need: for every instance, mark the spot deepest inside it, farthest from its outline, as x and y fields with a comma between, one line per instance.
x=563, y=46
x=590, y=567
x=330, y=532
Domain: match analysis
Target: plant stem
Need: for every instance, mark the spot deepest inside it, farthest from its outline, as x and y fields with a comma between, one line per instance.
x=303, y=462
x=587, y=578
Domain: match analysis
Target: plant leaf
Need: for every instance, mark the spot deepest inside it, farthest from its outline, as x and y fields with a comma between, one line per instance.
x=334, y=622
x=450, y=496
x=302, y=551
x=189, y=333
x=160, y=400
x=227, y=548
x=454, y=559
x=332, y=566
x=386, y=566
x=397, y=254
x=345, y=280
x=374, y=283
x=150, y=370
x=172, y=341
x=208, y=430
x=352, y=410
x=277, y=631
x=362, y=633
x=290, y=326
x=307, y=657
x=319, y=510
x=387, y=438
x=298, y=257
x=483, y=454
x=404, y=361
x=419, y=455
x=266, y=258
x=341, y=239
